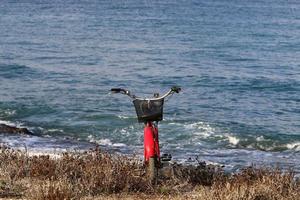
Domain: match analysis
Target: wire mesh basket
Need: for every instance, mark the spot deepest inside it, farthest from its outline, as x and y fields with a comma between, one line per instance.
x=149, y=110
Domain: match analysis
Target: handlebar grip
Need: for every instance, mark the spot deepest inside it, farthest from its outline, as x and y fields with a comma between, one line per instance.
x=176, y=89
x=116, y=90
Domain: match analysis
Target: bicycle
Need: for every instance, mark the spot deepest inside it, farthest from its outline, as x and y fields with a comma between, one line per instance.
x=150, y=111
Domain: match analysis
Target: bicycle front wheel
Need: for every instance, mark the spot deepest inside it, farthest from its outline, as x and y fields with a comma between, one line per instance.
x=152, y=170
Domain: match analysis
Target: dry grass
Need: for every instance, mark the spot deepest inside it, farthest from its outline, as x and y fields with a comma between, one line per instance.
x=99, y=175
x=73, y=175
x=257, y=184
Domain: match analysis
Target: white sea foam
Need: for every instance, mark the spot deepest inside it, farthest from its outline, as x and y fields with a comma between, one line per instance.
x=196, y=125
x=34, y=145
x=123, y=117
x=10, y=112
x=233, y=140
x=14, y=124
x=123, y=131
x=55, y=130
x=174, y=123
x=295, y=146
x=212, y=163
x=260, y=139
x=119, y=145
x=105, y=142
x=54, y=153
x=200, y=128
x=7, y=123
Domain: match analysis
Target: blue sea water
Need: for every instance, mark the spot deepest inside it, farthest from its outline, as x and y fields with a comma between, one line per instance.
x=237, y=61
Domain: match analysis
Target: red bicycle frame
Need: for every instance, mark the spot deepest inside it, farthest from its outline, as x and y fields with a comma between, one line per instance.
x=151, y=142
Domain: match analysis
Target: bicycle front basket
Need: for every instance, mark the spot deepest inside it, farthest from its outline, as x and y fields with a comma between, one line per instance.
x=149, y=110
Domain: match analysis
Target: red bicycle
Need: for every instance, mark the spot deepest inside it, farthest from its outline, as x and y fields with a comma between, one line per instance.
x=150, y=111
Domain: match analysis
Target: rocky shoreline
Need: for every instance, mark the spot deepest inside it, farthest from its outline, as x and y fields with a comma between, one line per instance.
x=4, y=128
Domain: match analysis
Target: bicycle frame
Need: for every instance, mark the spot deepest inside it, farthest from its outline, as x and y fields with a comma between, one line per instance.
x=151, y=142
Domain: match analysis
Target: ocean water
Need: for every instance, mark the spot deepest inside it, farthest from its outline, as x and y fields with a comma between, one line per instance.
x=238, y=63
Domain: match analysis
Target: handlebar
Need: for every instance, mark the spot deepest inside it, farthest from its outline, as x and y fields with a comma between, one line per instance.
x=117, y=90
x=176, y=89
x=173, y=90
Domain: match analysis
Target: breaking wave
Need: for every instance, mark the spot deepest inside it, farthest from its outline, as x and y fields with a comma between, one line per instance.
x=294, y=146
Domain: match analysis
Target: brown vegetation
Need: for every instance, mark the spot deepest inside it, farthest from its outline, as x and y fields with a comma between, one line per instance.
x=99, y=175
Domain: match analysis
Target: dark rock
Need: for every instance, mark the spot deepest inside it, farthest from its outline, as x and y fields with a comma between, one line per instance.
x=14, y=130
